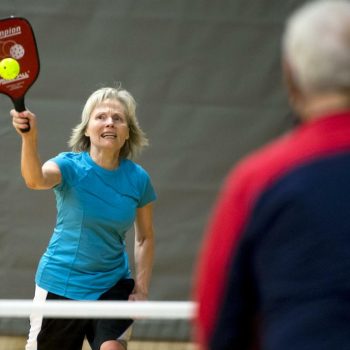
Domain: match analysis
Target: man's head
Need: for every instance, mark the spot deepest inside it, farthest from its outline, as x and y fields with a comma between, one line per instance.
x=316, y=49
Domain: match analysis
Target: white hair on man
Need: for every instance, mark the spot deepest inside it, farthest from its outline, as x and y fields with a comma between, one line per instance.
x=316, y=46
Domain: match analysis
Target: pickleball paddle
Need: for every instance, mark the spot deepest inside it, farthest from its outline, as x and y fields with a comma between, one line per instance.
x=17, y=41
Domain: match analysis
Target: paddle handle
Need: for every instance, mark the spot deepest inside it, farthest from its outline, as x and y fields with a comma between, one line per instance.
x=20, y=107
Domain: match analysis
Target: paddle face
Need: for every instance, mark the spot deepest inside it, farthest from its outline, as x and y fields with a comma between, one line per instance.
x=17, y=41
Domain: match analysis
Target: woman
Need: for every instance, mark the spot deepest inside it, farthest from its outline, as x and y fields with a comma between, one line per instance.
x=100, y=194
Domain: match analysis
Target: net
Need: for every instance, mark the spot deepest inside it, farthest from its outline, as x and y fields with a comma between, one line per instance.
x=157, y=326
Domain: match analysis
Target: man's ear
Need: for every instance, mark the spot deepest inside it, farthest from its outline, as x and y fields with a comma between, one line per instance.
x=295, y=95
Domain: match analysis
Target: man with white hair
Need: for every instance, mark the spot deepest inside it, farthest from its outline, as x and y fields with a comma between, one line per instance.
x=274, y=270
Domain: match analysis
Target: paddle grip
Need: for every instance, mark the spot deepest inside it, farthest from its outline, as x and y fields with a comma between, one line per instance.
x=20, y=107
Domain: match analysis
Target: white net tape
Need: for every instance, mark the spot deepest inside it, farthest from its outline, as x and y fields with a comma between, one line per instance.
x=98, y=309
x=159, y=325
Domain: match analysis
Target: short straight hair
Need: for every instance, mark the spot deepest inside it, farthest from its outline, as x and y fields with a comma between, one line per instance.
x=316, y=46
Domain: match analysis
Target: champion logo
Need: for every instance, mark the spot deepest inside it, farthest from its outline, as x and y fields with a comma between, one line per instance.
x=12, y=31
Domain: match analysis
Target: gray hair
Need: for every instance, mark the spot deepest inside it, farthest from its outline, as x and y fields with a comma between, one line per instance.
x=316, y=45
x=137, y=139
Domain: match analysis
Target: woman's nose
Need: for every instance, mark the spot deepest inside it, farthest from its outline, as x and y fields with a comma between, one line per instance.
x=109, y=121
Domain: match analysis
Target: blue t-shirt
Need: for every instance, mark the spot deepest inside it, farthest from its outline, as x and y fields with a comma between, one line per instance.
x=95, y=208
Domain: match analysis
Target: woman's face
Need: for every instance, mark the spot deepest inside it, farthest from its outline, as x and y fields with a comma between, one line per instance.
x=108, y=127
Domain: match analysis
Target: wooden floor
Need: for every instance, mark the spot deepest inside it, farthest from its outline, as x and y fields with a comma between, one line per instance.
x=18, y=343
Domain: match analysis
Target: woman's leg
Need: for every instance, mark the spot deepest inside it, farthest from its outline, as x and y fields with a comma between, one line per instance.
x=54, y=334
x=113, y=345
x=120, y=344
x=112, y=334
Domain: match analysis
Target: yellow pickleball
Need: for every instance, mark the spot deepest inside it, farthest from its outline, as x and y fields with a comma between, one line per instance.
x=9, y=68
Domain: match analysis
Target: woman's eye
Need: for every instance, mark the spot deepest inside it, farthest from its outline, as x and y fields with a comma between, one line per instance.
x=118, y=119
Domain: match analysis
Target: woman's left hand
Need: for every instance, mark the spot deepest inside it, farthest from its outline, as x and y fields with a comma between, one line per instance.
x=138, y=296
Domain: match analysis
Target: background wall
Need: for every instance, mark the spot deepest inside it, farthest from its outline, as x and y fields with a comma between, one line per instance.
x=206, y=76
